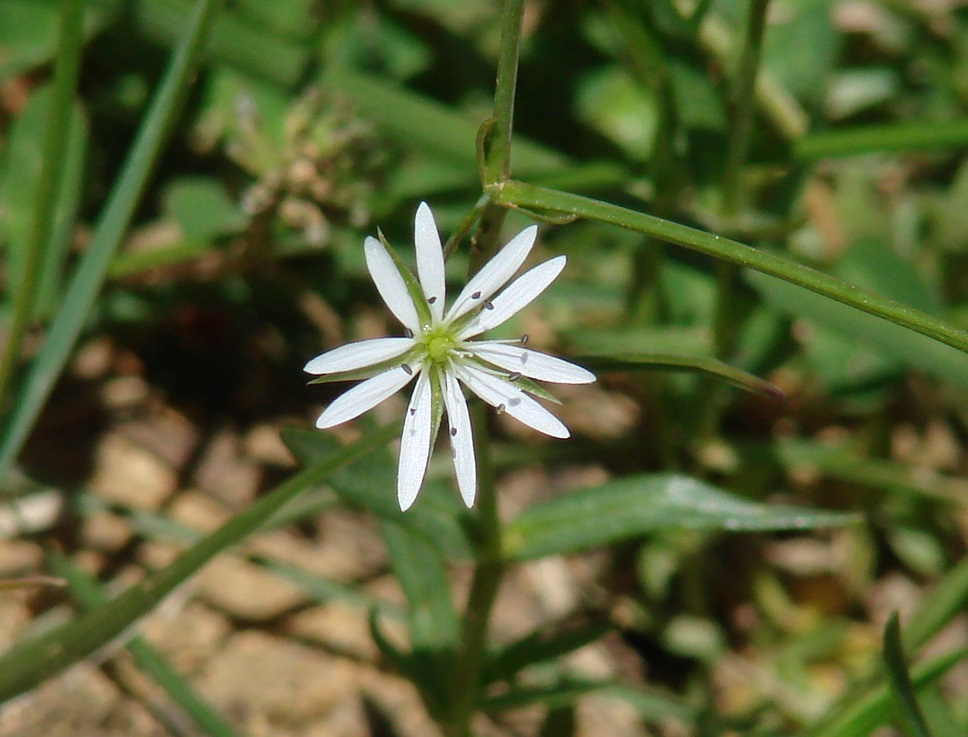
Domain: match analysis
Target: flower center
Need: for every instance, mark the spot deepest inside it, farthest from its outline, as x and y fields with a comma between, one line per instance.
x=439, y=344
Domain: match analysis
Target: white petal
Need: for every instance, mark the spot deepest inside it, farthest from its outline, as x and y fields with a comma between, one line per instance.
x=461, y=439
x=518, y=294
x=497, y=392
x=532, y=364
x=430, y=259
x=358, y=355
x=415, y=444
x=495, y=273
x=389, y=283
x=365, y=395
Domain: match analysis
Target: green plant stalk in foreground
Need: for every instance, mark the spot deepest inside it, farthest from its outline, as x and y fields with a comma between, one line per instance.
x=494, y=151
x=85, y=282
x=520, y=194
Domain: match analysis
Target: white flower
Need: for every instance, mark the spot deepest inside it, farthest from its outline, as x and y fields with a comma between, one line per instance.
x=439, y=354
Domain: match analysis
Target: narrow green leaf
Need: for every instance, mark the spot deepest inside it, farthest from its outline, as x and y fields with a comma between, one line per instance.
x=858, y=140
x=88, y=594
x=22, y=198
x=86, y=281
x=634, y=505
x=423, y=577
x=243, y=45
x=432, y=620
x=541, y=646
x=652, y=704
x=423, y=123
x=902, y=691
x=514, y=193
x=309, y=503
x=371, y=485
x=27, y=270
x=555, y=696
x=34, y=660
x=870, y=709
x=704, y=364
x=946, y=600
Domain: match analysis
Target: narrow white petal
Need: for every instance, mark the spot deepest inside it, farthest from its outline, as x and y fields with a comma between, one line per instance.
x=534, y=365
x=501, y=393
x=518, y=294
x=430, y=259
x=358, y=355
x=495, y=273
x=389, y=283
x=365, y=395
x=461, y=439
x=415, y=443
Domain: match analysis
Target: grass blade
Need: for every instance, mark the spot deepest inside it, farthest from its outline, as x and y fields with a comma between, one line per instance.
x=902, y=691
x=32, y=661
x=86, y=281
x=55, y=145
x=89, y=595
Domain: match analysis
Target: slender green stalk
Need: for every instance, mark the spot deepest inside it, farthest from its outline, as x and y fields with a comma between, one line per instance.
x=86, y=281
x=497, y=163
x=742, y=108
x=743, y=104
x=779, y=108
x=488, y=572
x=494, y=154
x=70, y=41
x=529, y=195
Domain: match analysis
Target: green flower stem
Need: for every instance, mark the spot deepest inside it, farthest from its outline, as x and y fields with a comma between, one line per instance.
x=743, y=104
x=514, y=193
x=488, y=572
x=497, y=162
x=85, y=282
x=780, y=108
x=494, y=160
x=70, y=41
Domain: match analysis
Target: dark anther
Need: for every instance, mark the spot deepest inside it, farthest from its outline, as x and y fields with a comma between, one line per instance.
x=410, y=334
x=514, y=376
x=476, y=295
x=413, y=410
x=524, y=339
x=431, y=300
x=453, y=432
x=500, y=409
x=407, y=370
x=488, y=304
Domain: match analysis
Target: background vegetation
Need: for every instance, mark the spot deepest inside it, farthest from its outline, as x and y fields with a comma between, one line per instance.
x=762, y=477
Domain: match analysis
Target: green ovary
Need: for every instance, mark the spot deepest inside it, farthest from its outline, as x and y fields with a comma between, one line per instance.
x=439, y=345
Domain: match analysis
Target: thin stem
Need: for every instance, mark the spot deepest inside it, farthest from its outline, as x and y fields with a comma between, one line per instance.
x=488, y=572
x=743, y=104
x=70, y=41
x=778, y=107
x=541, y=198
x=497, y=163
